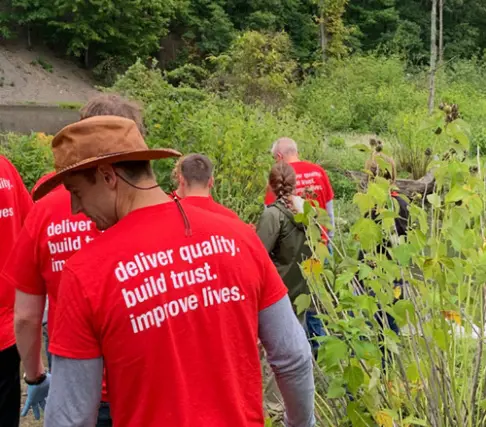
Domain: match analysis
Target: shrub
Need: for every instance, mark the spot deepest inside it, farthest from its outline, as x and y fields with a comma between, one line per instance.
x=359, y=93
x=31, y=155
x=257, y=67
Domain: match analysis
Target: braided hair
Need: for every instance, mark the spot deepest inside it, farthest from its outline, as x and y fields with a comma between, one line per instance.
x=282, y=181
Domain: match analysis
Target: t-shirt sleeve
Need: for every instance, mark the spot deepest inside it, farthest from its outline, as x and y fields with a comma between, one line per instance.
x=327, y=187
x=23, y=197
x=269, y=197
x=21, y=269
x=74, y=336
x=272, y=288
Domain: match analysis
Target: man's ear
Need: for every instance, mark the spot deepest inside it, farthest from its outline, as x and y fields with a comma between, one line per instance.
x=211, y=182
x=108, y=175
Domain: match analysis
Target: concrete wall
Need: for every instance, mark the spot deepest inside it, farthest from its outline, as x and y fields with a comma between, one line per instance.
x=35, y=118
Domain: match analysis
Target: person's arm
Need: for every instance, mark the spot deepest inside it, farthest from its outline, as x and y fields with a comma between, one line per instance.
x=268, y=228
x=330, y=212
x=29, y=310
x=289, y=355
x=75, y=392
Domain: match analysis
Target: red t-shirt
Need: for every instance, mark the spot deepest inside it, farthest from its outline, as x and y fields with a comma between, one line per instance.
x=312, y=183
x=15, y=203
x=208, y=204
x=174, y=316
x=50, y=236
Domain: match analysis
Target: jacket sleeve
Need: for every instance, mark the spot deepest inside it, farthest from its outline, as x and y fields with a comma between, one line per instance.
x=268, y=228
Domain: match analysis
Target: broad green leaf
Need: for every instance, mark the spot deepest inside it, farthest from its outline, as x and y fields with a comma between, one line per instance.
x=354, y=378
x=364, y=201
x=302, y=303
x=402, y=253
x=343, y=279
x=367, y=232
x=357, y=417
x=412, y=372
x=362, y=147
x=415, y=421
x=456, y=194
x=366, y=302
x=333, y=351
x=375, y=378
x=440, y=338
x=434, y=200
x=336, y=389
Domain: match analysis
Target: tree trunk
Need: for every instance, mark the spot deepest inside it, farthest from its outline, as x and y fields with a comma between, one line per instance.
x=433, y=55
x=322, y=30
x=29, y=41
x=86, y=57
x=441, y=31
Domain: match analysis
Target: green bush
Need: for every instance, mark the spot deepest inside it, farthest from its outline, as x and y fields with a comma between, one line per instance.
x=31, y=155
x=359, y=93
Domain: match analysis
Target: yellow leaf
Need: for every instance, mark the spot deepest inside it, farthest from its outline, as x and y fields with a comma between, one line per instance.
x=383, y=419
x=452, y=315
x=312, y=266
x=397, y=292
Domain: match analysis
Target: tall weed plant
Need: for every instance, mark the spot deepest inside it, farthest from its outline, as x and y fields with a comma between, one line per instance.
x=431, y=283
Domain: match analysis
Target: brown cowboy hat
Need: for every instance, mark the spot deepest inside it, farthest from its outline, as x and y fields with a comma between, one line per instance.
x=94, y=141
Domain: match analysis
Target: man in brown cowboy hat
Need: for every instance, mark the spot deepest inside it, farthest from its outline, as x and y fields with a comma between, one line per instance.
x=170, y=300
x=50, y=235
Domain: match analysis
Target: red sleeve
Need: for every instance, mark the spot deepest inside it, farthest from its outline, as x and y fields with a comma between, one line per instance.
x=74, y=336
x=326, y=187
x=273, y=288
x=21, y=269
x=24, y=199
x=269, y=197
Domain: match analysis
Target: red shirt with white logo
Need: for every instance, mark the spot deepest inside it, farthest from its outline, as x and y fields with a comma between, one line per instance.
x=208, y=204
x=174, y=314
x=50, y=236
x=15, y=203
x=312, y=184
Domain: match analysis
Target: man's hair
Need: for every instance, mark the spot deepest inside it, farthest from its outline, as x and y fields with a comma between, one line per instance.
x=284, y=146
x=113, y=105
x=196, y=169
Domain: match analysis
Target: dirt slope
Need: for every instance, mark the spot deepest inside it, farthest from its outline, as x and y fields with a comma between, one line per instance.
x=37, y=76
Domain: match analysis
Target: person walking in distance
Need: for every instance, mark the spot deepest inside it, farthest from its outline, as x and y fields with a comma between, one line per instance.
x=312, y=183
x=194, y=174
x=15, y=203
x=178, y=293
x=50, y=236
x=285, y=240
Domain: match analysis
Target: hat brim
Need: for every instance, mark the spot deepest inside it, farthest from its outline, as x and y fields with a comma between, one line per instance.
x=141, y=155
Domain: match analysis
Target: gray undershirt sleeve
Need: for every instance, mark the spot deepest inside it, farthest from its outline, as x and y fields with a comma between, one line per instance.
x=289, y=355
x=330, y=212
x=75, y=392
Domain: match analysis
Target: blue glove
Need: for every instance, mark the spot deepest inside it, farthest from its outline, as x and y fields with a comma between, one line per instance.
x=37, y=397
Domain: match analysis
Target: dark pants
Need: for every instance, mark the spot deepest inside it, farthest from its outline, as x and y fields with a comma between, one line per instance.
x=104, y=417
x=314, y=329
x=46, y=344
x=9, y=387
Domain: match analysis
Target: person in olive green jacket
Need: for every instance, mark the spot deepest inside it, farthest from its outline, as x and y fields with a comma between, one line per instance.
x=284, y=238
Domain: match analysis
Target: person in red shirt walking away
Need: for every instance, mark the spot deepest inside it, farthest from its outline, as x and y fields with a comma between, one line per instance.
x=312, y=180
x=15, y=203
x=170, y=299
x=194, y=174
x=50, y=236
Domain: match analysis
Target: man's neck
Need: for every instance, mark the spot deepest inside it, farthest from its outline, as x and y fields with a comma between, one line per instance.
x=291, y=159
x=139, y=199
x=197, y=192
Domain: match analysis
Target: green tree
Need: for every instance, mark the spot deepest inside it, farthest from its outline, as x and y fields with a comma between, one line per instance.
x=257, y=67
x=101, y=28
